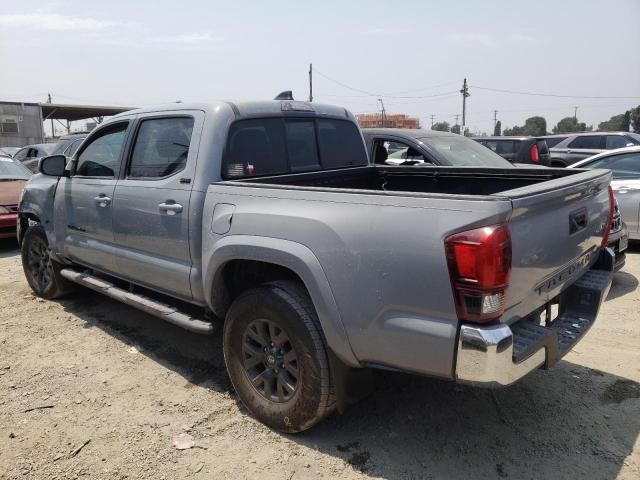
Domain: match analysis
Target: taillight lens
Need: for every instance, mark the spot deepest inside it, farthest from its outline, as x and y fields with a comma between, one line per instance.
x=479, y=266
x=607, y=228
x=533, y=154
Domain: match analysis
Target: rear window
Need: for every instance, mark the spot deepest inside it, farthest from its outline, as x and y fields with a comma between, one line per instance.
x=543, y=147
x=271, y=146
x=553, y=141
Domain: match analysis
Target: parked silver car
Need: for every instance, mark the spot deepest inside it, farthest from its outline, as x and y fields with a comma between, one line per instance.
x=625, y=165
x=30, y=155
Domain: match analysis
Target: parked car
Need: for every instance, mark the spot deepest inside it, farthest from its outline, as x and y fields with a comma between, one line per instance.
x=532, y=150
x=578, y=146
x=269, y=221
x=13, y=177
x=553, y=140
x=30, y=155
x=8, y=151
x=398, y=146
x=68, y=144
x=624, y=163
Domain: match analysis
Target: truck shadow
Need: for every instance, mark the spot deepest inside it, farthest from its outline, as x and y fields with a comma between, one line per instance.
x=568, y=422
x=623, y=283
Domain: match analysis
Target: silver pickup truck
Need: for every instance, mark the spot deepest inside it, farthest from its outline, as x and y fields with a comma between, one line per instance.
x=268, y=220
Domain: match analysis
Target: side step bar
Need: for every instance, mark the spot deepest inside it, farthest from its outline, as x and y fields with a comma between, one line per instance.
x=161, y=310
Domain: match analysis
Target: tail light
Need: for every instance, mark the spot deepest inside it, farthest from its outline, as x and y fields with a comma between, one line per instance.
x=533, y=154
x=479, y=266
x=607, y=227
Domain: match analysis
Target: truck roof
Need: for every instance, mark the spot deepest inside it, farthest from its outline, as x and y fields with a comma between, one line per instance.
x=249, y=109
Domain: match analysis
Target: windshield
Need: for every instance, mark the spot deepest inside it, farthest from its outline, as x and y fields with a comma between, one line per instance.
x=11, y=151
x=10, y=170
x=461, y=151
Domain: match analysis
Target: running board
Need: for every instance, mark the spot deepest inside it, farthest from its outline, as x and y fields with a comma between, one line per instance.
x=166, y=312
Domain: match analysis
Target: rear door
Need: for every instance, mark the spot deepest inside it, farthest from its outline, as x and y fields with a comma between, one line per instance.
x=152, y=200
x=87, y=199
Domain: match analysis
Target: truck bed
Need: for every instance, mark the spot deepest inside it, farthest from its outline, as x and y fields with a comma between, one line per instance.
x=415, y=179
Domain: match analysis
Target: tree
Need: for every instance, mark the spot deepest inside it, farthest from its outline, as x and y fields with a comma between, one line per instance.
x=514, y=131
x=571, y=125
x=616, y=123
x=441, y=127
x=497, y=129
x=535, y=126
x=455, y=129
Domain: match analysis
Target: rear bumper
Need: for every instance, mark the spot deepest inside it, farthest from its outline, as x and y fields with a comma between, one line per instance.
x=499, y=355
x=8, y=225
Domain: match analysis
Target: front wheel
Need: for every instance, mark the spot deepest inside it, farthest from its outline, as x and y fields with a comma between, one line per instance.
x=276, y=357
x=42, y=271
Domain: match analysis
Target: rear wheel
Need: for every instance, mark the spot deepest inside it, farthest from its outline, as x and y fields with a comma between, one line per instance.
x=42, y=271
x=276, y=357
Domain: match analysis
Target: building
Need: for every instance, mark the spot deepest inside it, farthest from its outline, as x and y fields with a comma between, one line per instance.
x=23, y=123
x=375, y=120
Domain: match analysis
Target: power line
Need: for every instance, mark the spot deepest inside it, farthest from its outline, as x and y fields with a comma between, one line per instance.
x=373, y=94
x=535, y=94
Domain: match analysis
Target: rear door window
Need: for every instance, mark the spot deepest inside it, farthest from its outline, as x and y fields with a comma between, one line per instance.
x=592, y=142
x=161, y=147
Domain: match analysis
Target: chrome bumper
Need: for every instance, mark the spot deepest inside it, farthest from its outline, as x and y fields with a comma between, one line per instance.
x=499, y=355
x=485, y=356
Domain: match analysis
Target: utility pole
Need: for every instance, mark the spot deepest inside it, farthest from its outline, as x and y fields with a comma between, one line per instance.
x=53, y=132
x=311, y=82
x=495, y=119
x=383, y=111
x=465, y=93
x=575, y=113
x=432, y=119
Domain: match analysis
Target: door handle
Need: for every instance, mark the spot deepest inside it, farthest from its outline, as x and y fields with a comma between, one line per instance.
x=102, y=200
x=170, y=208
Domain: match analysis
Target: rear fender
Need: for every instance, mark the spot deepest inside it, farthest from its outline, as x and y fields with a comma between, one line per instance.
x=295, y=257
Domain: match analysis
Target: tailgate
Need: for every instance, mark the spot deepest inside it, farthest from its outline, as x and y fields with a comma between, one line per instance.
x=556, y=231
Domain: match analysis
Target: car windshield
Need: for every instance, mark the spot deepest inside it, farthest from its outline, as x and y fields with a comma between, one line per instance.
x=635, y=136
x=461, y=151
x=10, y=170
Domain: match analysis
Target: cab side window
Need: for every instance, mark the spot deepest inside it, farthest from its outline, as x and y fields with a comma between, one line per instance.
x=161, y=147
x=101, y=156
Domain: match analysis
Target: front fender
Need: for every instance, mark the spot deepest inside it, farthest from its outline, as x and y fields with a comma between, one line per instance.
x=297, y=258
x=36, y=202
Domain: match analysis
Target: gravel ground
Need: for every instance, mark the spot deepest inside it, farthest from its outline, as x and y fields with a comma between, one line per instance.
x=92, y=388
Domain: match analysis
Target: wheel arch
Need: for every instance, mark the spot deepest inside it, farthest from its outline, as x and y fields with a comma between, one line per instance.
x=254, y=259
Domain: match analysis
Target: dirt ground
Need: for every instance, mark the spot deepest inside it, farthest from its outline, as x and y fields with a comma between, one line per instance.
x=100, y=372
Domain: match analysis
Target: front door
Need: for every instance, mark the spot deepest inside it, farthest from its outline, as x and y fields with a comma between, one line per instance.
x=151, y=208
x=88, y=200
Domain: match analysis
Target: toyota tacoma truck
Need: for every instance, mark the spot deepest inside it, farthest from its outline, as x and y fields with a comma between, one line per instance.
x=267, y=220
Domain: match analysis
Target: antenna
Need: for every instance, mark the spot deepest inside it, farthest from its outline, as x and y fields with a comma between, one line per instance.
x=286, y=95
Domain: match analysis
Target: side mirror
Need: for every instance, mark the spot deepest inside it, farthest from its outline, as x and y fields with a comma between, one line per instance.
x=53, y=166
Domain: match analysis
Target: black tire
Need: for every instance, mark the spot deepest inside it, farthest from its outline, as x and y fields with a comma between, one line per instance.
x=41, y=271
x=281, y=310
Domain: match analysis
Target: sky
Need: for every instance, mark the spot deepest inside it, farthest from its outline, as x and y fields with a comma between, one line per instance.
x=413, y=55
